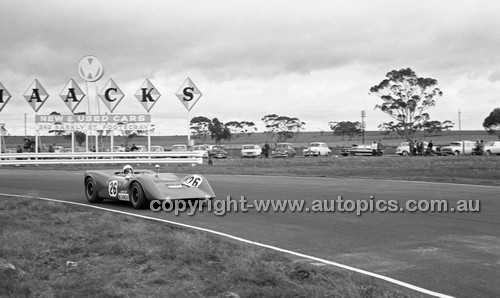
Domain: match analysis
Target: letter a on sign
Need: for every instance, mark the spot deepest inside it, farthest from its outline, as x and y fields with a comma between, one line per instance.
x=188, y=94
x=4, y=96
x=72, y=95
x=36, y=95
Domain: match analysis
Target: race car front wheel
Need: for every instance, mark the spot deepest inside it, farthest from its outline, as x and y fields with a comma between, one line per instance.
x=91, y=191
x=137, y=196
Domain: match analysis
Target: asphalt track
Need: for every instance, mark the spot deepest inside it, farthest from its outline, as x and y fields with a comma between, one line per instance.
x=452, y=253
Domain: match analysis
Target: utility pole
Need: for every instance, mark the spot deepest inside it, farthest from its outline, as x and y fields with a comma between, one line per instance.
x=25, y=131
x=363, y=115
x=459, y=125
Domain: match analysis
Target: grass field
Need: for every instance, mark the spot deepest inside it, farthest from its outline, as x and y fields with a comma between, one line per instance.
x=55, y=250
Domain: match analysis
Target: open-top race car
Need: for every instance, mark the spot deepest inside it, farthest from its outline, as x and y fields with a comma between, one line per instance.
x=142, y=186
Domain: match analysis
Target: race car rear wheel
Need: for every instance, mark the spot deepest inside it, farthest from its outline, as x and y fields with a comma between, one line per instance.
x=91, y=191
x=137, y=196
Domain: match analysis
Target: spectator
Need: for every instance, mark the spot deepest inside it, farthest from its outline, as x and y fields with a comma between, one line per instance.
x=134, y=148
x=429, y=147
x=374, y=148
x=420, y=147
x=51, y=149
x=265, y=149
x=19, y=149
x=380, y=147
x=481, y=147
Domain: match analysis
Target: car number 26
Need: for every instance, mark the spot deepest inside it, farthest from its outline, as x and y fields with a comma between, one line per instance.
x=194, y=181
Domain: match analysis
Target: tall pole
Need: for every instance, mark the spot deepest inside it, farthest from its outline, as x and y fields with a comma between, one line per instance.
x=25, y=131
x=188, y=131
x=459, y=125
x=363, y=114
x=460, y=130
x=1, y=137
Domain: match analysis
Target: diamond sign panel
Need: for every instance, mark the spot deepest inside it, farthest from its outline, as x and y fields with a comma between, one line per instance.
x=188, y=94
x=111, y=95
x=147, y=95
x=36, y=95
x=4, y=96
x=72, y=95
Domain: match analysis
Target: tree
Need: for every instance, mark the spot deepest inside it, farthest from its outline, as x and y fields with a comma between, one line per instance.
x=346, y=128
x=218, y=131
x=246, y=128
x=80, y=137
x=199, y=127
x=130, y=134
x=436, y=127
x=285, y=127
x=492, y=123
x=235, y=127
x=57, y=132
x=406, y=97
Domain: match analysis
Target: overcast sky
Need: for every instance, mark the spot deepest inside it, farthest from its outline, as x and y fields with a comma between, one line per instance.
x=315, y=60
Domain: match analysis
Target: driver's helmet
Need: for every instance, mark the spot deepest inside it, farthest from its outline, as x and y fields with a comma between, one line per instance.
x=128, y=170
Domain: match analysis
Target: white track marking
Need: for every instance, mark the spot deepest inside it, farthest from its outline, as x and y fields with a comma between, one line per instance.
x=361, y=271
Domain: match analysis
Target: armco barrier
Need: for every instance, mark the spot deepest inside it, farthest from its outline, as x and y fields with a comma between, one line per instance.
x=101, y=158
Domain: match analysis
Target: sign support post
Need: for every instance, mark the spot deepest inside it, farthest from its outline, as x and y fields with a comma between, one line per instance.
x=188, y=94
x=188, y=130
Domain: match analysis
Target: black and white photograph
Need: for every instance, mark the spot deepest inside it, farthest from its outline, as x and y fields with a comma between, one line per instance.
x=323, y=148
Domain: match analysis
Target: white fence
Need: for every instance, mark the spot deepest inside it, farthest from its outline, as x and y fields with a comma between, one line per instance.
x=101, y=158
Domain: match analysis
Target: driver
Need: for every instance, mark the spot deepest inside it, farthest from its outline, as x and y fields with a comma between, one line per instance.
x=127, y=170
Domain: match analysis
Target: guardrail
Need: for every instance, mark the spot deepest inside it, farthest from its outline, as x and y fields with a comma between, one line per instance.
x=101, y=158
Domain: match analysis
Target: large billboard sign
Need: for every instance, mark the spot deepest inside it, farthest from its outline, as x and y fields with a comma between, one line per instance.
x=94, y=122
x=91, y=70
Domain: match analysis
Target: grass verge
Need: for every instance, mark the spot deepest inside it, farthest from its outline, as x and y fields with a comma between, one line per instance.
x=54, y=250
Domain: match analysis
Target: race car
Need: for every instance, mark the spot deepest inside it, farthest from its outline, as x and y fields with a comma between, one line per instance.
x=142, y=186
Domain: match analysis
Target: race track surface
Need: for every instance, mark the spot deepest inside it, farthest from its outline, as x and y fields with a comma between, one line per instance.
x=451, y=253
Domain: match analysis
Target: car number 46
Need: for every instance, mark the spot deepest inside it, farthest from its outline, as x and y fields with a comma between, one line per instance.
x=194, y=181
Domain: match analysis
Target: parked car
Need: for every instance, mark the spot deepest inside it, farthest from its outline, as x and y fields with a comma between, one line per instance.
x=156, y=149
x=365, y=150
x=58, y=149
x=404, y=148
x=458, y=148
x=119, y=149
x=218, y=151
x=179, y=147
x=284, y=150
x=491, y=148
x=317, y=149
x=201, y=149
x=250, y=151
